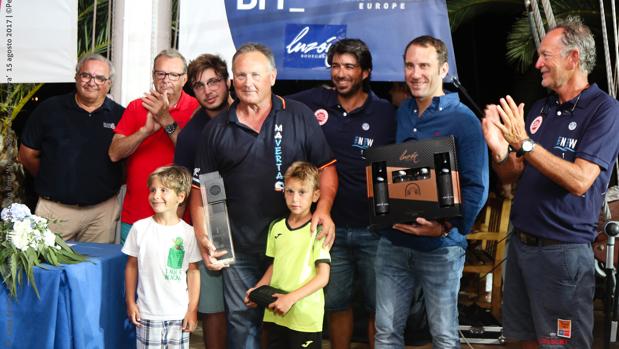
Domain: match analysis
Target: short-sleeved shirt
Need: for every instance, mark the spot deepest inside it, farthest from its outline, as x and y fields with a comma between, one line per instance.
x=163, y=253
x=155, y=151
x=585, y=127
x=445, y=116
x=296, y=254
x=252, y=165
x=75, y=168
x=187, y=143
x=349, y=134
x=188, y=140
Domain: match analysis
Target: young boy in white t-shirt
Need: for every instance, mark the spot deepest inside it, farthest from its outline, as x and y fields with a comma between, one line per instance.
x=163, y=264
x=300, y=266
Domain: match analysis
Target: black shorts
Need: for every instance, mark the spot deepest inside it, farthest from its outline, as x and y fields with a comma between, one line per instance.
x=281, y=337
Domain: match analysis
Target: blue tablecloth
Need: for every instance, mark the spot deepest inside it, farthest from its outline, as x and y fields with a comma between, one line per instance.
x=81, y=306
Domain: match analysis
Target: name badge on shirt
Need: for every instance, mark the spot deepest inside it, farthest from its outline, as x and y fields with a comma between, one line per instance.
x=109, y=125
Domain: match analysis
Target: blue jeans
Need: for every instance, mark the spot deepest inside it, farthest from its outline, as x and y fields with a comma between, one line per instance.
x=398, y=271
x=244, y=324
x=352, y=254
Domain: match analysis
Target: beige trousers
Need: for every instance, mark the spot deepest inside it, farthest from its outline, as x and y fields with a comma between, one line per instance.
x=96, y=223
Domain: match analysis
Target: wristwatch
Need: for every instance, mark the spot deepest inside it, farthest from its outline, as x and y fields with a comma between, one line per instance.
x=169, y=129
x=527, y=146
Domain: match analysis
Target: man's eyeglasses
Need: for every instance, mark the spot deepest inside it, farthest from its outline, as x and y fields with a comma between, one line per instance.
x=200, y=85
x=160, y=75
x=86, y=77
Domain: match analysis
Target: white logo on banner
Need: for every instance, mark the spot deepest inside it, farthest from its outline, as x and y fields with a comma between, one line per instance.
x=245, y=5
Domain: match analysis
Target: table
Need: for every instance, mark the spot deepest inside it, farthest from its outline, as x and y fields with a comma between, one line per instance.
x=81, y=306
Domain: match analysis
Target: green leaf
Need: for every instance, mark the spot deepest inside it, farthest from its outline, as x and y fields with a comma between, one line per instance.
x=462, y=11
x=13, y=274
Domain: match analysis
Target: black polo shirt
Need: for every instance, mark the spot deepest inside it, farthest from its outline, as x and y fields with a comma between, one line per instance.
x=188, y=139
x=349, y=134
x=253, y=165
x=75, y=168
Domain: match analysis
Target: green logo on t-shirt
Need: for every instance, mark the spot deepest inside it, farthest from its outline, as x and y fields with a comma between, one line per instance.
x=176, y=254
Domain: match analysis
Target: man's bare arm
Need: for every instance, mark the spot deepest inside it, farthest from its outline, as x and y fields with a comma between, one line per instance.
x=322, y=215
x=29, y=158
x=575, y=177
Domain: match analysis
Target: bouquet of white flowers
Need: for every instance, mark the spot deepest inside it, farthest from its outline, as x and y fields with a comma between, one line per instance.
x=26, y=242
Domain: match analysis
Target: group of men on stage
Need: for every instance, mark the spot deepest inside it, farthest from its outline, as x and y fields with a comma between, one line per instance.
x=561, y=154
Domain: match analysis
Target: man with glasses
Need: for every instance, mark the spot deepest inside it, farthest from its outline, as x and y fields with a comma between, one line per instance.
x=353, y=118
x=251, y=145
x=208, y=76
x=147, y=131
x=64, y=146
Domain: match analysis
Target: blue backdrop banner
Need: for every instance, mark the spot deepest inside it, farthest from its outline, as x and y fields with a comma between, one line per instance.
x=300, y=32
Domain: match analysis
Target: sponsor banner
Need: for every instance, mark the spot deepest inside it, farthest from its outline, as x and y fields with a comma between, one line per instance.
x=300, y=32
x=38, y=40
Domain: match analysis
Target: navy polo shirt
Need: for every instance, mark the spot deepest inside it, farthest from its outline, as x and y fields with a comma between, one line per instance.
x=447, y=116
x=74, y=164
x=349, y=135
x=188, y=140
x=253, y=164
x=585, y=127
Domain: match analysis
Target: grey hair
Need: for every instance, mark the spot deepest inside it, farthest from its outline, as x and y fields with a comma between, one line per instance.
x=578, y=36
x=94, y=57
x=255, y=47
x=172, y=53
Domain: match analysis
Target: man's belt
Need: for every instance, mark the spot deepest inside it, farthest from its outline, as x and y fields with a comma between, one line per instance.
x=531, y=240
x=70, y=204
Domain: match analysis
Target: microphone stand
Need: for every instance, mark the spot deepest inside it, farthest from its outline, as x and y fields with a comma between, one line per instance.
x=458, y=85
x=612, y=230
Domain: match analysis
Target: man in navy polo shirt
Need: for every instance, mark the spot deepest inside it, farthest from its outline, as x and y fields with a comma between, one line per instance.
x=64, y=146
x=353, y=119
x=251, y=145
x=565, y=151
x=430, y=254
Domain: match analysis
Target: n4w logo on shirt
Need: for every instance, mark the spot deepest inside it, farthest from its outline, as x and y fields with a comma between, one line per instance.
x=566, y=144
x=362, y=142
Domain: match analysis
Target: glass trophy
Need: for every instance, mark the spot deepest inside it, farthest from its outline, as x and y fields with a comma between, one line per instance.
x=216, y=215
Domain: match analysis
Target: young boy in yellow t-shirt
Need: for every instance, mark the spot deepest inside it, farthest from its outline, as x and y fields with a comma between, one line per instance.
x=300, y=266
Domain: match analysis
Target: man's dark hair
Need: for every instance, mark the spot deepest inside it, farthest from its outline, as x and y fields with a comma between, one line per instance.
x=430, y=41
x=357, y=48
x=204, y=62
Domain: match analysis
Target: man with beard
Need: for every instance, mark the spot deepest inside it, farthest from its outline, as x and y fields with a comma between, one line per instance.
x=208, y=76
x=430, y=254
x=64, y=146
x=147, y=132
x=353, y=119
